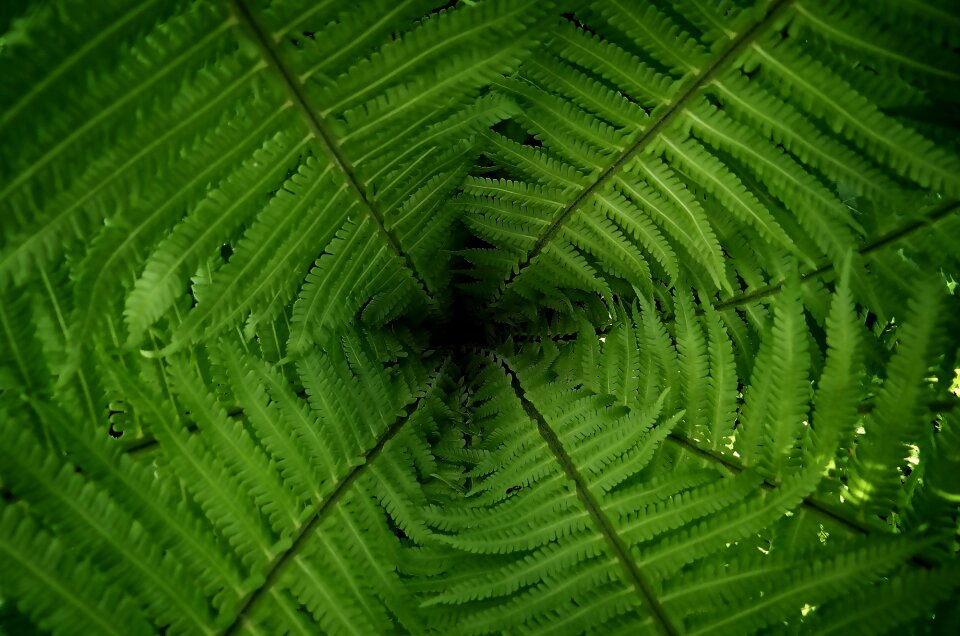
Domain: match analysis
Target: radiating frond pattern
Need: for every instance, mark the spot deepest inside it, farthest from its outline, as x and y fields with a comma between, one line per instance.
x=479, y=317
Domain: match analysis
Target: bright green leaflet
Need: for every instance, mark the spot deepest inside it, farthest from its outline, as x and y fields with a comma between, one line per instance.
x=485, y=316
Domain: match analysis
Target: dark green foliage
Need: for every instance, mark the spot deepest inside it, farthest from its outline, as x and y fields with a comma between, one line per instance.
x=488, y=316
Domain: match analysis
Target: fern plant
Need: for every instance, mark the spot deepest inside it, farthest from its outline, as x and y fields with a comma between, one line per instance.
x=491, y=316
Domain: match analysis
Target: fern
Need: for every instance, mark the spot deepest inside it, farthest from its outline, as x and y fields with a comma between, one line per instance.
x=486, y=316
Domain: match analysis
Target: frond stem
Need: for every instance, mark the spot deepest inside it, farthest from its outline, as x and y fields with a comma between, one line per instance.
x=643, y=587
x=936, y=214
x=925, y=222
x=279, y=566
x=318, y=128
x=697, y=82
x=810, y=503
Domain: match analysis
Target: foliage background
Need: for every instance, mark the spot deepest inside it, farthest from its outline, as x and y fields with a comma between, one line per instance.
x=477, y=317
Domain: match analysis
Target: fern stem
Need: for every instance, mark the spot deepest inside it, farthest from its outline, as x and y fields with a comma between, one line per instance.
x=690, y=91
x=925, y=222
x=811, y=503
x=936, y=214
x=281, y=563
x=642, y=585
x=317, y=126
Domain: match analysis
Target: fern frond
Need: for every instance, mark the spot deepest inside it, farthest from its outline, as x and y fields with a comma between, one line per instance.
x=896, y=419
x=91, y=520
x=60, y=594
x=480, y=316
